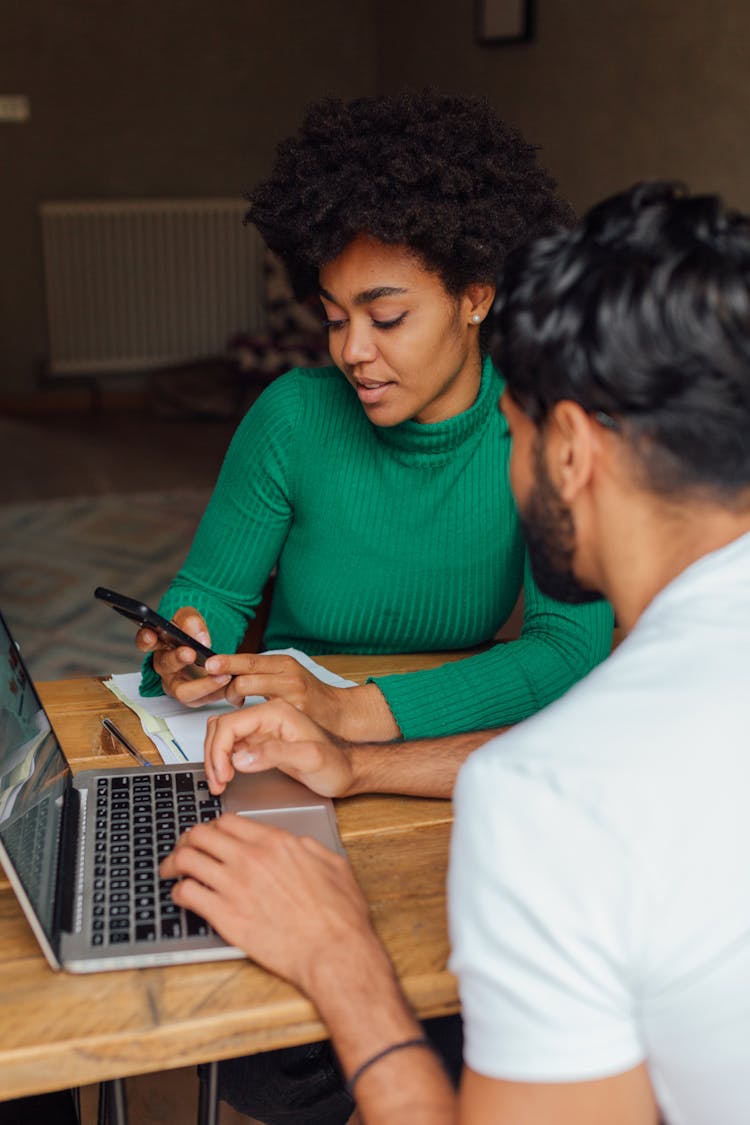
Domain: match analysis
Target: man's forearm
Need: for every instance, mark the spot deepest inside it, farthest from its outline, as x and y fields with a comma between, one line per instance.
x=358, y=997
x=427, y=767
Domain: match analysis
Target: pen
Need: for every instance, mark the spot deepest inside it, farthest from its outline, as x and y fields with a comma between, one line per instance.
x=176, y=744
x=113, y=730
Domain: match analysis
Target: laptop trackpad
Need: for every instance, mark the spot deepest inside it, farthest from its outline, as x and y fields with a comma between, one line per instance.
x=272, y=797
x=301, y=822
x=267, y=792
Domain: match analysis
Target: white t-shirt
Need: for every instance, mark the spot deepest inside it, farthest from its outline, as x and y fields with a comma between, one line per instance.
x=599, y=887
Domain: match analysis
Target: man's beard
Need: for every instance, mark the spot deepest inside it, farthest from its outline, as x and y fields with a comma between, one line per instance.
x=549, y=531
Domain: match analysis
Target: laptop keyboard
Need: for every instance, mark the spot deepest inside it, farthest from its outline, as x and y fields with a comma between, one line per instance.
x=139, y=817
x=25, y=839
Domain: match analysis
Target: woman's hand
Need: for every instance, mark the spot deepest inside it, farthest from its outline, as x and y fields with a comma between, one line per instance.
x=276, y=735
x=355, y=712
x=180, y=676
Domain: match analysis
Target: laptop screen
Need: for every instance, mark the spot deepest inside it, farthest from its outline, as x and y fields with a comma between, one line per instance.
x=33, y=778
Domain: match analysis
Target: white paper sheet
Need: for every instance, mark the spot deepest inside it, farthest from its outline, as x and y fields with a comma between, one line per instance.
x=179, y=732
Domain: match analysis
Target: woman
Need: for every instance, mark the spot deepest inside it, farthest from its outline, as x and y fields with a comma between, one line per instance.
x=378, y=487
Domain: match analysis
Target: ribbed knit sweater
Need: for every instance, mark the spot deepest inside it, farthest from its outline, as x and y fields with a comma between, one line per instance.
x=401, y=539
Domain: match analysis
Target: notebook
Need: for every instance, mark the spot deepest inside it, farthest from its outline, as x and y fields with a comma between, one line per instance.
x=82, y=853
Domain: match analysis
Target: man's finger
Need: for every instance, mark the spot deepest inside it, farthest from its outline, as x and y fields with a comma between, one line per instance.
x=222, y=732
x=302, y=760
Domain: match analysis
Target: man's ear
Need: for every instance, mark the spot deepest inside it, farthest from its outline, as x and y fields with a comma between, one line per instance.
x=570, y=446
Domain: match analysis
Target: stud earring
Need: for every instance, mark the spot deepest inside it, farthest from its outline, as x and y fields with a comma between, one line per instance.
x=476, y=318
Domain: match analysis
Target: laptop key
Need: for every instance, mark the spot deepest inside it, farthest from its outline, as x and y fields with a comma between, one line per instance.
x=145, y=932
x=118, y=938
x=196, y=926
x=171, y=927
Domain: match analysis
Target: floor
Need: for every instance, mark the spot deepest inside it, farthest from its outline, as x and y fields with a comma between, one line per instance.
x=169, y=1098
x=90, y=454
x=60, y=455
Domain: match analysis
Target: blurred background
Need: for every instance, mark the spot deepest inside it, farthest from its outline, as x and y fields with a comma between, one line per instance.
x=186, y=99
x=109, y=446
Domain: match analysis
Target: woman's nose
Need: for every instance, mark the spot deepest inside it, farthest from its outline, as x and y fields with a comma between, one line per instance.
x=358, y=345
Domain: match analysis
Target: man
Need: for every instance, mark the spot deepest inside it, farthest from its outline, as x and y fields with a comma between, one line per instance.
x=598, y=892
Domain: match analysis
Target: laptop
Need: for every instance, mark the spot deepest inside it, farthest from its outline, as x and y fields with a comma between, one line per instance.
x=82, y=853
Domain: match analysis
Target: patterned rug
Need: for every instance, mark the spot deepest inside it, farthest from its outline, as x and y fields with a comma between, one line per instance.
x=54, y=553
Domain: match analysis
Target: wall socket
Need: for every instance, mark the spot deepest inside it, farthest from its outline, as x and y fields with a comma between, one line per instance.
x=14, y=107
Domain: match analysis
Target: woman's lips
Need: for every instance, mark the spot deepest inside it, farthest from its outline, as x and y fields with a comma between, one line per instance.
x=370, y=392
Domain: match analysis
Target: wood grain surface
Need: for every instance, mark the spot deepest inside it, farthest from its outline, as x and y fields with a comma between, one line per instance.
x=61, y=1029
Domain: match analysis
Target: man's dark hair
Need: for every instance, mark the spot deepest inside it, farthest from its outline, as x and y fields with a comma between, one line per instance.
x=641, y=313
x=439, y=174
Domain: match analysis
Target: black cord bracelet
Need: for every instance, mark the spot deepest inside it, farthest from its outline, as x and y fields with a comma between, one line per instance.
x=420, y=1041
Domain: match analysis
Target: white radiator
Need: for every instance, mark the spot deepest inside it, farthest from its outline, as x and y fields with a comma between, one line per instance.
x=138, y=284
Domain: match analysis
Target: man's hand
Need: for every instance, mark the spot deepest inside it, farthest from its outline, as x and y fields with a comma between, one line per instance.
x=295, y=908
x=276, y=735
x=289, y=902
x=180, y=676
x=353, y=712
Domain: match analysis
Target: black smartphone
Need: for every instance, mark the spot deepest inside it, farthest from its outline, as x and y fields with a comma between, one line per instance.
x=167, y=632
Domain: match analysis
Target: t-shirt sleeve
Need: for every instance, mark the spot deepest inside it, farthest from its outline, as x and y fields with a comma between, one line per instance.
x=244, y=527
x=558, y=645
x=542, y=918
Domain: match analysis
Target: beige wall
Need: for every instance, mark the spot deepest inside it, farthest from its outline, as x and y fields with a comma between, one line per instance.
x=613, y=90
x=152, y=98
x=178, y=97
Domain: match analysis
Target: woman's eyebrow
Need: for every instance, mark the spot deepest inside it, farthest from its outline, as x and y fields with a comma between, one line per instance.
x=368, y=295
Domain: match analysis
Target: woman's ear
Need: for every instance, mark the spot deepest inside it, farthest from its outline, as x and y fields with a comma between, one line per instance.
x=478, y=300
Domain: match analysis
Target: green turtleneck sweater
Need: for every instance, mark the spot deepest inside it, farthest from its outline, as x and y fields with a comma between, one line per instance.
x=401, y=539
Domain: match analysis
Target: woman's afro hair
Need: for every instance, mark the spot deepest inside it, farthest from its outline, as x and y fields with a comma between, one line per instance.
x=440, y=174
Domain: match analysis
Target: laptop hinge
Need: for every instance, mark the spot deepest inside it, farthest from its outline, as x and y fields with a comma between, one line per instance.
x=67, y=869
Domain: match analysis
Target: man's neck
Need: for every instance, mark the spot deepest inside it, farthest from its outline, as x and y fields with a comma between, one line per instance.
x=658, y=542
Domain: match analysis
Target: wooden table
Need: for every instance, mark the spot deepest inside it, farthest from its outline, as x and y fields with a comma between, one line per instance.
x=63, y=1030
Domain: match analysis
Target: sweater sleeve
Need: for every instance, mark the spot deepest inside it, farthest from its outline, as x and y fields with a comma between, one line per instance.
x=559, y=644
x=243, y=529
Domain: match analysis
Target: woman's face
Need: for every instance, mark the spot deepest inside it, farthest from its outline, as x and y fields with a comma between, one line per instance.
x=408, y=348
